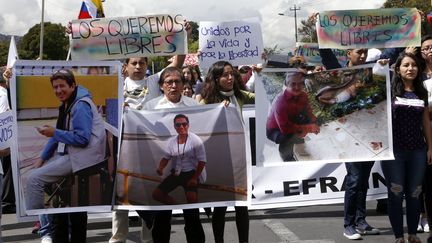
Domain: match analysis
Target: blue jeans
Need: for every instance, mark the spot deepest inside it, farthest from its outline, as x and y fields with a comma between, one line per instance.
x=45, y=222
x=356, y=186
x=404, y=177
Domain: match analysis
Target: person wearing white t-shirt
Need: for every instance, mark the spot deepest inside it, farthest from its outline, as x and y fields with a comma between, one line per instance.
x=172, y=82
x=138, y=89
x=4, y=106
x=172, y=86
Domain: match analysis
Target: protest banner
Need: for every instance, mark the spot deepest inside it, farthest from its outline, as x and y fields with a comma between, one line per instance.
x=297, y=185
x=310, y=52
x=340, y=115
x=123, y=37
x=7, y=129
x=378, y=28
x=239, y=42
x=149, y=136
x=35, y=104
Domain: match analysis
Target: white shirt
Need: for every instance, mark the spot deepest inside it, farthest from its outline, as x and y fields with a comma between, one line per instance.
x=188, y=154
x=162, y=102
x=4, y=103
x=193, y=150
x=4, y=106
x=428, y=85
x=137, y=92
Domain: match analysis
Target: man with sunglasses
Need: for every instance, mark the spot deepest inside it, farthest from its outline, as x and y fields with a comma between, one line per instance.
x=187, y=152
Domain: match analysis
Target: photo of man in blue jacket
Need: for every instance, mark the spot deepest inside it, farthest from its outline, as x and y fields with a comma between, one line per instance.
x=77, y=142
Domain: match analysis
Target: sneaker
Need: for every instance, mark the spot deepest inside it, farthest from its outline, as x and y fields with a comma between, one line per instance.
x=413, y=239
x=425, y=225
x=351, y=233
x=420, y=228
x=400, y=240
x=46, y=239
x=365, y=229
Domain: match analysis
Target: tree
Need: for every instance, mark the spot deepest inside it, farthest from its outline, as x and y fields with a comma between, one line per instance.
x=423, y=5
x=56, y=42
x=4, y=49
x=308, y=31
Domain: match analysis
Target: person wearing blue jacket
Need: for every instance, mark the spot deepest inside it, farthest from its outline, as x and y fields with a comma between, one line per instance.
x=78, y=141
x=357, y=177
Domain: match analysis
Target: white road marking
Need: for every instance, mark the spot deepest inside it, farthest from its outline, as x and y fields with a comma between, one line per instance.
x=287, y=235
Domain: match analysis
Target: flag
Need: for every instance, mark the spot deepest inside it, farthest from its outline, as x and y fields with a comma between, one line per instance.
x=13, y=53
x=91, y=9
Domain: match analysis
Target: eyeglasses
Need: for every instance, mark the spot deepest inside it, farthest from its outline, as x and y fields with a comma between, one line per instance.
x=426, y=49
x=181, y=124
x=171, y=82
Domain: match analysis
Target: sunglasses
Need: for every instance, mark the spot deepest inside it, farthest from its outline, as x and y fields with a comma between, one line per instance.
x=179, y=124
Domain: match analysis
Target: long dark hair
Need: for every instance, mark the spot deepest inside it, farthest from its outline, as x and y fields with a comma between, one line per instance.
x=210, y=92
x=398, y=87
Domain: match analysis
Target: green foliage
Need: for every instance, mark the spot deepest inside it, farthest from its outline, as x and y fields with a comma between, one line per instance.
x=55, y=45
x=366, y=98
x=423, y=5
x=158, y=63
x=4, y=49
x=307, y=32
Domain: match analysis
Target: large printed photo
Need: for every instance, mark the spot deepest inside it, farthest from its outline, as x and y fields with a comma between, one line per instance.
x=68, y=119
x=181, y=157
x=329, y=116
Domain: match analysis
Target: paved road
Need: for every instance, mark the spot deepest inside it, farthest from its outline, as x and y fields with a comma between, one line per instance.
x=301, y=225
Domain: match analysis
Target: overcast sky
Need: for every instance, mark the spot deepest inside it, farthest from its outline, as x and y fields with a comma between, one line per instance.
x=20, y=15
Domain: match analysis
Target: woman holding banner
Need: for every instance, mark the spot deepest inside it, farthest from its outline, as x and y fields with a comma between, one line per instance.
x=412, y=146
x=222, y=86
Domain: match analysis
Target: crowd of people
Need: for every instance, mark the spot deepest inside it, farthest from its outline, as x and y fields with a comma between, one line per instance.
x=78, y=128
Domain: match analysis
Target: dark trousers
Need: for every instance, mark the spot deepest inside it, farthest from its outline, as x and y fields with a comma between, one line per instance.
x=356, y=186
x=427, y=192
x=242, y=223
x=193, y=227
x=69, y=227
x=8, y=195
x=147, y=216
x=404, y=178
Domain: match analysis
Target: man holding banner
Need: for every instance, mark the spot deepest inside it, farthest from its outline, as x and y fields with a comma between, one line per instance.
x=357, y=177
x=171, y=82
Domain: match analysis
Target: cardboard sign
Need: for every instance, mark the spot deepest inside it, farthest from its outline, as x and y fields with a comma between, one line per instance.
x=116, y=38
x=379, y=28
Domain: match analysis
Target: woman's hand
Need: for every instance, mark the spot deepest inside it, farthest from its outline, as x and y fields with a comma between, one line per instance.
x=411, y=49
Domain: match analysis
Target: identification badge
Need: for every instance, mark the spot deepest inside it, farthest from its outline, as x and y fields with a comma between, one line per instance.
x=178, y=169
x=61, y=147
